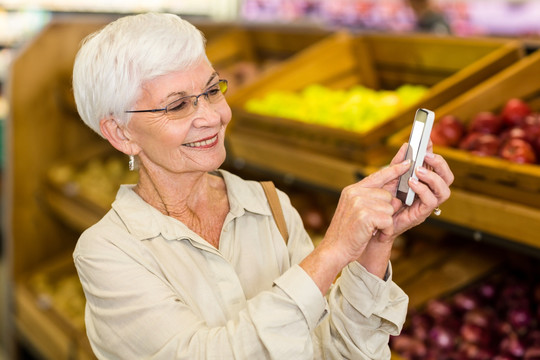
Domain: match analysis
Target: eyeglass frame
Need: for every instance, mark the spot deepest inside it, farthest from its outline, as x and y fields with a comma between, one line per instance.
x=220, y=81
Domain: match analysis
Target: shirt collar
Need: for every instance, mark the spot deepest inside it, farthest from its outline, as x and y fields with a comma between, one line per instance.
x=146, y=222
x=244, y=195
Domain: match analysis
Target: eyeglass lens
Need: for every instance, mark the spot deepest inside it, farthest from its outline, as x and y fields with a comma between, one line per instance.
x=186, y=105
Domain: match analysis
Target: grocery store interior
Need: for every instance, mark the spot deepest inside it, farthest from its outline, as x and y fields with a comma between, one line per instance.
x=323, y=93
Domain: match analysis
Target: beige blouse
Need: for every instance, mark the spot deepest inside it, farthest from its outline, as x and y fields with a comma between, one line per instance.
x=156, y=290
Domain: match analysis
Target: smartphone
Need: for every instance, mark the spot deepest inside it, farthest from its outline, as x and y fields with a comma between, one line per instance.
x=418, y=142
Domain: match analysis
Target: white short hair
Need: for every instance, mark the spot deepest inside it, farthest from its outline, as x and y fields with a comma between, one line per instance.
x=114, y=62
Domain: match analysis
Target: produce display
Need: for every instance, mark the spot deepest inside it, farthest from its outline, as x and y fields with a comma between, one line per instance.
x=357, y=109
x=496, y=319
x=61, y=292
x=512, y=134
x=96, y=181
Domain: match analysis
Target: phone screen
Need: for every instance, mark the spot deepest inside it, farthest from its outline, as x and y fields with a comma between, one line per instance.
x=412, y=150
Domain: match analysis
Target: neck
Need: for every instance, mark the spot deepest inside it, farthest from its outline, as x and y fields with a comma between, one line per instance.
x=173, y=195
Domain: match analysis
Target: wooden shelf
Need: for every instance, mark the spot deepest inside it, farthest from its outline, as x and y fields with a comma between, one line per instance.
x=294, y=163
x=38, y=298
x=502, y=218
x=482, y=213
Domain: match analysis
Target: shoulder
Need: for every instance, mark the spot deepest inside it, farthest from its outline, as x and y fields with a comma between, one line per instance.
x=103, y=236
x=250, y=191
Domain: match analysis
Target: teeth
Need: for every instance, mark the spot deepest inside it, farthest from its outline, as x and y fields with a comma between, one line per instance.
x=201, y=143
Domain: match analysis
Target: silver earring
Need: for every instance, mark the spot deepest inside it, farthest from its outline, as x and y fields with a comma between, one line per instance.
x=131, y=163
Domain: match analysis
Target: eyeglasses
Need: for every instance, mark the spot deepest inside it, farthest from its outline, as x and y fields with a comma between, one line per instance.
x=186, y=105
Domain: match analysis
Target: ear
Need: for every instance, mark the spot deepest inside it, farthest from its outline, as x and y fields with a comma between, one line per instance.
x=118, y=136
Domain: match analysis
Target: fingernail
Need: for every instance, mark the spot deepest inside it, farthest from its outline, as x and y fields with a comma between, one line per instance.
x=413, y=180
x=406, y=162
x=421, y=170
x=430, y=155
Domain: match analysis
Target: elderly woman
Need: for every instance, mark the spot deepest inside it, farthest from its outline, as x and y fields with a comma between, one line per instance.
x=189, y=262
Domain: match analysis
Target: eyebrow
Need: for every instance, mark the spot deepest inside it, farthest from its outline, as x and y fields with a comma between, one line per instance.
x=183, y=93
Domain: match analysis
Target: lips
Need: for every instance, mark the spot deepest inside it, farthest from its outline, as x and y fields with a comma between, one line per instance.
x=205, y=143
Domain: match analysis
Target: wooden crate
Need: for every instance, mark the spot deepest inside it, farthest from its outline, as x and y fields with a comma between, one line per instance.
x=50, y=303
x=434, y=264
x=43, y=127
x=258, y=43
x=241, y=53
x=80, y=189
x=518, y=183
x=447, y=66
x=512, y=280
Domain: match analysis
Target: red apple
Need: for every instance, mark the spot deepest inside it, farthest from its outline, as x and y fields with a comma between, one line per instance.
x=514, y=112
x=486, y=122
x=481, y=144
x=532, y=132
x=514, y=133
x=536, y=147
x=532, y=119
x=437, y=136
x=448, y=131
x=518, y=151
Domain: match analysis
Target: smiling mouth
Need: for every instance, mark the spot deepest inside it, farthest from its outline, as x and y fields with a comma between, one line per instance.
x=203, y=143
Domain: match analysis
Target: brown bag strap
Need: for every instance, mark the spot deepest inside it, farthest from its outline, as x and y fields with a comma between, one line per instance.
x=275, y=206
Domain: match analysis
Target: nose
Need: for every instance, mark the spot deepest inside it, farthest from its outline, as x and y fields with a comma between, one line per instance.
x=205, y=113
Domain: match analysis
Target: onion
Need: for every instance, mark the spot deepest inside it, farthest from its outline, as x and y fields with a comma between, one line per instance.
x=532, y=353
x=474, y=334
x=512, y=345
x=515, y=290
x=497, y=320
x=482, y=317
x=533, y=338
x=519, y=318
x=504, y=357
x=439, y=310
x=465, y=301
x=537, y=293
x=487, y=290
x=408, y=346
x=420, y=324
x=504, y=328
x=473, y=351
x=442, y=337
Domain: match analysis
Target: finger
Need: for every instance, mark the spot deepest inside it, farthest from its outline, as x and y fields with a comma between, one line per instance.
x=428, y=200
x=387, y=174
x=359, y=194
x=382, y=205
x=435, y=182
x=385, y=225
x=400, y=155
x=373, y=221
x=440, y=166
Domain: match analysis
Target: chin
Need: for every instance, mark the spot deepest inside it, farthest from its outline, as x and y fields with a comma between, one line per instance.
x=216, y=160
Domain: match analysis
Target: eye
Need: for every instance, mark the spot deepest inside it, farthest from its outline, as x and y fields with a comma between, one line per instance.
x=178, y=105
x=213, y=91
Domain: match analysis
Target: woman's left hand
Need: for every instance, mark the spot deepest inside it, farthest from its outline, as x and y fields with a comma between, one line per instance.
x=432, y=189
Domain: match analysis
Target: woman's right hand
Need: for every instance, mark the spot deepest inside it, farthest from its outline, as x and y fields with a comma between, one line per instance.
x=364, y=208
